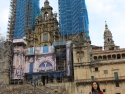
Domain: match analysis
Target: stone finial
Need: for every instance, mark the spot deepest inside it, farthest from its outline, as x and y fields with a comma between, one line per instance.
x=106, y=26
x=46, y=3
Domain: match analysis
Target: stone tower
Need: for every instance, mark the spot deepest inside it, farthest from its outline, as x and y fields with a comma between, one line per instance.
x=108, y=39
x=46, y=28
x=81, y=54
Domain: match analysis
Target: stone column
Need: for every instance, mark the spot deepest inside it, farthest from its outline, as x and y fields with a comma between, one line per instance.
x=121, y=56
x=116, y=56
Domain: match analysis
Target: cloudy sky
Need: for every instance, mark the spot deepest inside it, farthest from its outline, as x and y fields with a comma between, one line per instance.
x=99, y=11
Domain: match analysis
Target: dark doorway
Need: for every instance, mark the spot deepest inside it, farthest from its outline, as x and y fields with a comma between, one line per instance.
x=44, y=79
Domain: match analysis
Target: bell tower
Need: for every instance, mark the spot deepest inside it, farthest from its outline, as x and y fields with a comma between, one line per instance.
x=108, y=39
x=46, y=27
x=82, y=53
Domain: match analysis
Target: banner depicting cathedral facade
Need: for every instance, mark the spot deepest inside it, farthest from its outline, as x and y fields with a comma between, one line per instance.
x=38, y=59
x=40, y=63
x=43, y=59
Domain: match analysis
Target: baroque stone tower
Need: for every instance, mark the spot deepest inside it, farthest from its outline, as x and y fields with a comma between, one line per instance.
x=46, y=28
x=108, y=39
x=81, y=54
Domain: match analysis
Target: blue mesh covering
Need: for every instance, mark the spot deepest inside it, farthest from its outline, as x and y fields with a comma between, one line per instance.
x=22, y=11
x=73, y=17
x=35, y=12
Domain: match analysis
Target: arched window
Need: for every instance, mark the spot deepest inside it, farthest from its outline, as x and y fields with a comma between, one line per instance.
x=46, y=16
x=123, y=55
x=100, y=58
x=104, y=57
x=118, y=56
x=95, y=58
x=108, y=40
x=109, y=57
x=114, y=56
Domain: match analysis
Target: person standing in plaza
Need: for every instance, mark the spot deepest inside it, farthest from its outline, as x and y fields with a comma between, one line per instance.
x=95, y=88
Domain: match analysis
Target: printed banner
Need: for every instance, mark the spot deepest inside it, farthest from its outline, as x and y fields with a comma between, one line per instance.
x=68, y=57
x=38, y=59
x=40, y=50
x=18, y=63
x=40, y=63
x=29, y=64
x=45, y=63
x=31, y=51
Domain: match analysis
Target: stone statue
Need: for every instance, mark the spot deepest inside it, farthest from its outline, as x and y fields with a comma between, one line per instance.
x=55, y=15
x=37, y=19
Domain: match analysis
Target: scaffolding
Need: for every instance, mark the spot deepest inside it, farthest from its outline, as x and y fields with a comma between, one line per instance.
x=22, y=16
x=73, y=17
x=11, y=27
x=26, y=12
x=34, y=10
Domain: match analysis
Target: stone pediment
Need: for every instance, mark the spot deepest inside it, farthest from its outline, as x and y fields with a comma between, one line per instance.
x=79, y=39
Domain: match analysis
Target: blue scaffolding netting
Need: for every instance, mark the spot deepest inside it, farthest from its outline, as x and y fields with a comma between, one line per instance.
x=25, y=9
x=35, y=12
x=73, y=17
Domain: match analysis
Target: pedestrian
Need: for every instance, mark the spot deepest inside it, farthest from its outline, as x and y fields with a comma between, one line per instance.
x=95, y=88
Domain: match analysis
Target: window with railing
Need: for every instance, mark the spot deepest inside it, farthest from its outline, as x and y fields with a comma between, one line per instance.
x=92, y=78
x=116, y=75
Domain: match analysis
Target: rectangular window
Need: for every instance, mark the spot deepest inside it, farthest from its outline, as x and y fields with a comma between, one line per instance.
x=45, y=37
x=105, y=71
x=116, y=75
x=31, y=50
x=45, y=49
x=117, y=84
x=92, y=78
x=96, y=69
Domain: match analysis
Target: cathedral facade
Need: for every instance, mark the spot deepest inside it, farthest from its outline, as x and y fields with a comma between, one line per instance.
x=48, y=63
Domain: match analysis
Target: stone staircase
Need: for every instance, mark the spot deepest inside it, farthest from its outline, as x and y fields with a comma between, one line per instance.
x=2, y=85
x=29, y=89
